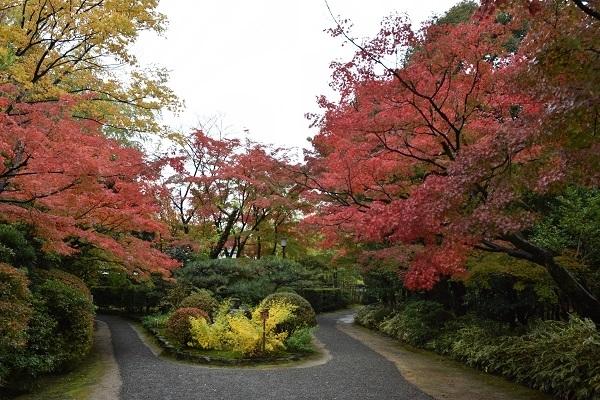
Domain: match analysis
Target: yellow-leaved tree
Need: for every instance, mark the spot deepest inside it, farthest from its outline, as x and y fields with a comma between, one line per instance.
x=51, y=48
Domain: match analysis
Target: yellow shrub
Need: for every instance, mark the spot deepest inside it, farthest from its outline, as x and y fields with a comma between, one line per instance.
x=211, y=336
x=240, y=334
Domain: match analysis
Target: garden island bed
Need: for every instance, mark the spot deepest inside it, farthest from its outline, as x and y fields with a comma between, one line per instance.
x=223, y=357
x=205, y=331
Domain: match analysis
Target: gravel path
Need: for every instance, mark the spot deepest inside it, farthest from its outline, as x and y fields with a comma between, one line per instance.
x=354, y=372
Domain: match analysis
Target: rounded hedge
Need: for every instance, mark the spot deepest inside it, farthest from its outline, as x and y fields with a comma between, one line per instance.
x=67, y=303
x=201, y=299
x=304, y=315
x=178, y=325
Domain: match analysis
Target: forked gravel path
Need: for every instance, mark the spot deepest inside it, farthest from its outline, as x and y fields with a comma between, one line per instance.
x=353, y=372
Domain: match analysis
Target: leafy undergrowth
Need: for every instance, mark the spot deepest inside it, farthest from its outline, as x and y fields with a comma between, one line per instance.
x=557, y=357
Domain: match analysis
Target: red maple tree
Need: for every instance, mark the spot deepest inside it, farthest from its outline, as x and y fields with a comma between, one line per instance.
x=64, y=178
x=441, y=152
x=231, y=192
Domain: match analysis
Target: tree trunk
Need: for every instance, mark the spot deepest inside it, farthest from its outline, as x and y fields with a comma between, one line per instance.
x=584, y=301
x=218, y=247
x=258, y=247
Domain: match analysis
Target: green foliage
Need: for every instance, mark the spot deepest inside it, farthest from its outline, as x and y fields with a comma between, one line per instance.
x=417, y=322
x=212, y=274
x=454, y=330
x=372, y=316
x=461, y=12
x=73, y=311
x=156, y=321
x=178, y=325
x=562, y=358
x=174, y=295
x=15, y=248
x=249, y=291
x=201, y=299
x=146, y=296
x=248, y=280
x=303, y=314
x=300, y=340
x=15, y=312
x=383, y=284
x=59, y=333
x=571, y=228
x=572, y=223
x=507, y=289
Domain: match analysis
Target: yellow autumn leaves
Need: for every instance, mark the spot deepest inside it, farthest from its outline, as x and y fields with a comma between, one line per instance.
x=240, y=334
x=51, y=48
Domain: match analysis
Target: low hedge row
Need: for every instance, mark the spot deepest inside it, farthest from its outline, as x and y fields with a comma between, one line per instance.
x=557, y=357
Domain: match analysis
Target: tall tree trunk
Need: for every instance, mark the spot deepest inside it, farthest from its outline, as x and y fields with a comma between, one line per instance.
x=218, y=247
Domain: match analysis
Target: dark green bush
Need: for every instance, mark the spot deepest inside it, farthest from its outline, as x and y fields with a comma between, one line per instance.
x=15, y=248
x=15, y=314
x=372, y=315
x=249, y=291
x=417, y=322
x=248, y=280
x=201, y=299
x=15, y=309
x=73, y=311
x=59, y=333
x=304, y=315
x=178, y=325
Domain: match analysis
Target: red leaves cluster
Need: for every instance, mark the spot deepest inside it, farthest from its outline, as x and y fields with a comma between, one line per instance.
x=232, y=191
x=72, y=184
x=438, y=153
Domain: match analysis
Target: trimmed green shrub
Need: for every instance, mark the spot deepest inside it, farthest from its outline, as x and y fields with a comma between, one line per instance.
x=300, y=340
x=65, y=277
x=249, y=291
x=304, y=315
x=178, y=325
x=417, y=323
x=73, y=311
x=201, y=299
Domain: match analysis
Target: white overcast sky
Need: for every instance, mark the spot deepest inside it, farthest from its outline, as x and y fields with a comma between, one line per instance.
x=260, y=64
